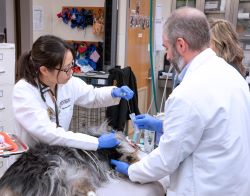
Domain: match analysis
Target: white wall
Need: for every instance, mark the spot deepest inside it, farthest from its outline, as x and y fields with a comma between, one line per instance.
x=121, y=34
x=166, y=10
x=54, y=25
x=159, y=55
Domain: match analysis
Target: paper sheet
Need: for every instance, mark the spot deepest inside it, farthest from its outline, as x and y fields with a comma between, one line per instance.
x=38, y=18
x=158, y=26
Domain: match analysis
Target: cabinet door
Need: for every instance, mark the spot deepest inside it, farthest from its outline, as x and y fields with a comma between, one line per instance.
x=243, y=28
x=243, y=19
x=7, y=63
x=217, y=8
x=180, y=3
x=6, y=113
x=212, y=8
x=137, y=50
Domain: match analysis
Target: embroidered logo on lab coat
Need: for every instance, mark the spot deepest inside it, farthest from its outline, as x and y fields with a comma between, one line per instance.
x=64, y=103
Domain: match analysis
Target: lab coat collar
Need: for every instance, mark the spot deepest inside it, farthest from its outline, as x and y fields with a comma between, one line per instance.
x=179, y=77
x=197, y=61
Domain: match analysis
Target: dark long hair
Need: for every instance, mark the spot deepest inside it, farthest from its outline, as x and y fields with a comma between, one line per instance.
x=48, y=51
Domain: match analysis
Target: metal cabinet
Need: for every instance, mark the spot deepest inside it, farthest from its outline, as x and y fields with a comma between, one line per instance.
x=180, y=3
x=242, y=18
x=218, y=8
x=212, y=8
x=242, y=23
x=7, y=80
x=235, y=11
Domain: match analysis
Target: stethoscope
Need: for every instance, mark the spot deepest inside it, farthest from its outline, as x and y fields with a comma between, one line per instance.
x=43, y=90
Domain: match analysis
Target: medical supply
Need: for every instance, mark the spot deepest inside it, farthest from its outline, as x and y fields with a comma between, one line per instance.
x=124, y=92
x=137, y=131
x=149, y=140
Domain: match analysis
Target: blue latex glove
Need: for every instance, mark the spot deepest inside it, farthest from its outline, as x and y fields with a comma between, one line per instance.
x=146, y=121
x=120, y=166
x=107, y=141
x=124, y=92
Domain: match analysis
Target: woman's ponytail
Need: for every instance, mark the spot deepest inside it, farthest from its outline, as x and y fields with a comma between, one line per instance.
x=26, y=68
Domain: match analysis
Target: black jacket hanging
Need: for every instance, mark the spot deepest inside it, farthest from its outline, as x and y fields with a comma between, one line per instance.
x=119, y=114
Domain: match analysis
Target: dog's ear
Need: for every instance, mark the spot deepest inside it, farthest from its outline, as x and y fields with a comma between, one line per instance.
x=127, y=149
x=130, y=158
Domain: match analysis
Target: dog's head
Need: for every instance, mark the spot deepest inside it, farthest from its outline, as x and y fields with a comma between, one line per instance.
x=126, y=151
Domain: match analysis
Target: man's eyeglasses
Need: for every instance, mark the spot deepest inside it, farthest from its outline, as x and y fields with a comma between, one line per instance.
x=67, y=70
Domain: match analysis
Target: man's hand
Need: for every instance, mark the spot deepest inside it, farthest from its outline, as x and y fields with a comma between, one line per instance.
x=146, y=121
x=120, y=166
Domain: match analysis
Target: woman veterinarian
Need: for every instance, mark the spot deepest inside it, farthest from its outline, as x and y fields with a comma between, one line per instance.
x=44, y=97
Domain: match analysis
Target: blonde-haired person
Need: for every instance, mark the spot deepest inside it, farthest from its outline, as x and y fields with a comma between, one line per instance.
x=225, y=42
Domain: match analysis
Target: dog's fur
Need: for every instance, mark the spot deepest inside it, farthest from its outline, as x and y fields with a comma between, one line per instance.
x=62, y=171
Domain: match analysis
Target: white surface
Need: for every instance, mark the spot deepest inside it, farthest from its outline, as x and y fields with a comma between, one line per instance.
x=127, y=188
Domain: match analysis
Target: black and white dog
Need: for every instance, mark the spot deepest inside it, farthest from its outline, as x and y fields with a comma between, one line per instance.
x=62, y=171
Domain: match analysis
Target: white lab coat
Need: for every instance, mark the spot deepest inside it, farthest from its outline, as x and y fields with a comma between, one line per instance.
x=205, y=147
x=33, y=123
